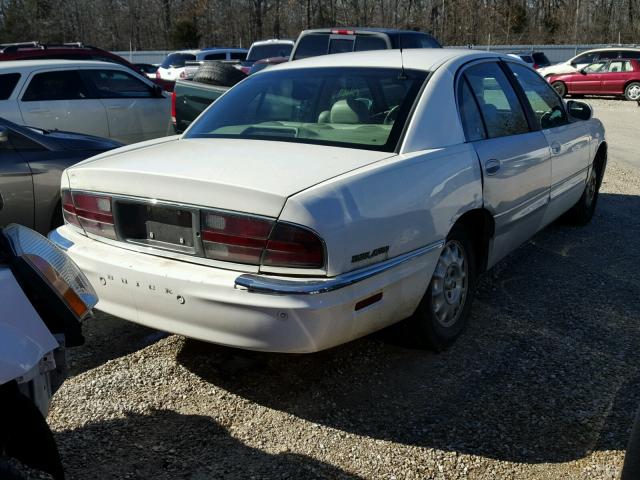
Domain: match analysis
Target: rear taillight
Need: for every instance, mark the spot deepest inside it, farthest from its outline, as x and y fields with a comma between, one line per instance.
x=254, y=240
x=91, y=212
x=536, y=66
x=341, y=31
x=173, y=108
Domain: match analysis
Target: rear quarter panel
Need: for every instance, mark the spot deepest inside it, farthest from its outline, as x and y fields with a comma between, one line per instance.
x=405, y=202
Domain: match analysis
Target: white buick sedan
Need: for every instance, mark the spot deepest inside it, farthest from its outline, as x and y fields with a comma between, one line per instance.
x=323, y=199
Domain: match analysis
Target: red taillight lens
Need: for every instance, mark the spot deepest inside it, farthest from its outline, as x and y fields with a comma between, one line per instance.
x=254, y=240
x=293, y=246
x=94, y=214
x=343, y=32
x=234, y=238
x=536, y=66
x=173, y=108
x=68, y=209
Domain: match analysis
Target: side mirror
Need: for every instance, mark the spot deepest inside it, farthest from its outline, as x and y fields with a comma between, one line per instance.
x=4, y=134
x=573, y=64
x=579, y=110
x=583, y=71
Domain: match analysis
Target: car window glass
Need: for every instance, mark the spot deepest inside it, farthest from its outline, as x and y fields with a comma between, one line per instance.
x=631, y=54
x=469, y=113
x=499, y=105
x=269, y=50
x=608, y=54
x=369, y=42
x=341, y=45
x=238, y=55
x=626, y=67
x=595, y=67
x=416, y=40
x=361, y=108
x=117, y=84
x=312, y=45
x=215, y=56
x=8, y=82
x=177, y=60
x=586, y=58
x=22, y=143
x=544, y=101
x=618, y=66
x=61, y=85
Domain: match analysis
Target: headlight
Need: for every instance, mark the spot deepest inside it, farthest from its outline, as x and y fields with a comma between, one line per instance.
x=54, y=266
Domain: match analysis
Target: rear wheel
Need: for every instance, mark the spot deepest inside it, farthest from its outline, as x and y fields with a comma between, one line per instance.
x=632, y=92
x=560, y=87
x=444, y=310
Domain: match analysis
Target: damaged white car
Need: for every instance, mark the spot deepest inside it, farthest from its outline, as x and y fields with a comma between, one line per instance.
x=327, y=198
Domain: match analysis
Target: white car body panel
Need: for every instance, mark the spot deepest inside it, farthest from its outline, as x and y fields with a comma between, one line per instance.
x=24, y=338
x=401, y=204
x=127, y=120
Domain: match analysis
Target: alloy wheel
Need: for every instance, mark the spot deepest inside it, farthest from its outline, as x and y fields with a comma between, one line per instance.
x=449, y=288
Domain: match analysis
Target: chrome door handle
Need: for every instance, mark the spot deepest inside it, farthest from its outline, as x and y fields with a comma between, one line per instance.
x=556, y=147
x=492, y=166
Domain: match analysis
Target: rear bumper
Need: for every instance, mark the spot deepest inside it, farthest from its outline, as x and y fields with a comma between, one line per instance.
x=255, y=312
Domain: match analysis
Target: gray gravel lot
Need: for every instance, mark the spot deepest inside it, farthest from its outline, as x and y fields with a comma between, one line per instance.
x=544, y=383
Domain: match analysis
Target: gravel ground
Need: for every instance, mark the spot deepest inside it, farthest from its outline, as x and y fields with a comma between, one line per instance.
x=542, y=385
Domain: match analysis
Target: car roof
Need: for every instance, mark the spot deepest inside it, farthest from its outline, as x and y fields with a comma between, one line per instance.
x=221, y=49
x=191, y=52
x=272, y=41
x=364, y=29
x=426, y=59
x=605, y=49
x=30, y=64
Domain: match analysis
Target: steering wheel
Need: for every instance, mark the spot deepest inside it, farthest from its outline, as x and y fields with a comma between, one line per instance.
x=392, y=115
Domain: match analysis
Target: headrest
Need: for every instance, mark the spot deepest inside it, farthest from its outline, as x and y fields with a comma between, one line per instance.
x=349, y=111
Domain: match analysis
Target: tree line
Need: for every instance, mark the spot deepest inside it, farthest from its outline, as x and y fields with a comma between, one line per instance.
x=173, y=24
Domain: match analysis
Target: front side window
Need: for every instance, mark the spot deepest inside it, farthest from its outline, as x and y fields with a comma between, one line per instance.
x=117, y=84
x=585, y=58
x=8, y=82
x=352, y=107
x=61, y=85
x=544, y=101
x=501, y=110
x=596, y=67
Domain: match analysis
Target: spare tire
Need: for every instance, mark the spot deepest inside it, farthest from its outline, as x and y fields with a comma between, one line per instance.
x=218, y=73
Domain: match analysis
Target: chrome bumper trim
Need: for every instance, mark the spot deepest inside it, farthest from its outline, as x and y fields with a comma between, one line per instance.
x=62, y=242
x=280, y=286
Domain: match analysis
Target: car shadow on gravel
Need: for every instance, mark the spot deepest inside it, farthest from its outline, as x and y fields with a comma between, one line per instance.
x=169, y=445
x=546, y=371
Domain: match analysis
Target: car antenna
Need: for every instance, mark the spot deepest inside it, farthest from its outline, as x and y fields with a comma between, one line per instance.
x=403, y=74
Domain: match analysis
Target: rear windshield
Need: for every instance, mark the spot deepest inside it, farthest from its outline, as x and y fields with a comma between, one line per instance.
x=526, y=58
x=8, y=82
x=320, y=44
x=351, y=107
x=541, y=59
x=177, y=60
x=258, y=52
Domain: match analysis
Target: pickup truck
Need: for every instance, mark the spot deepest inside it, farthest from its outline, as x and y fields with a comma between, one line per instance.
x=190, y=99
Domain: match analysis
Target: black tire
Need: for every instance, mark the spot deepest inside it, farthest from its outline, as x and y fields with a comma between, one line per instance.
x=426, y=329
x=560, y=87
x=218, y=73
x=582, y=212
x=632, y=92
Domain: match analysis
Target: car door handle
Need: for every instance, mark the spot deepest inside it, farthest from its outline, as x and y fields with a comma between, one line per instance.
x=556, y=148
x=492, y=166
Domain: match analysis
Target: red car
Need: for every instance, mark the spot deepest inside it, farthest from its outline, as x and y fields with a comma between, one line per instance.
x=606, y=77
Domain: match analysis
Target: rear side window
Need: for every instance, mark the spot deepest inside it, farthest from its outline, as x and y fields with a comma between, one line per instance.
x=64, y=85
x=117, y=84
x=271, y=50
x=608, y=54
x=469, y=113
x=415, y=40
x=619, y=66
x=312, y=45
x=8, y=82
x=238, y=55
x=499, y=104
x=541, y=59
x=633, y=55
x=370, y=42
x=177, y=60
x=586, y=58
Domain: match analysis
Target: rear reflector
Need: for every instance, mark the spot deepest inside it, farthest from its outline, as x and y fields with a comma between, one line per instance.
x=173, y=108
x=368, y=301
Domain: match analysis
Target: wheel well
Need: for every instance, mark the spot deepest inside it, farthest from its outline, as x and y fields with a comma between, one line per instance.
x=599, y=161
x=629, y=83
x=480, y=225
